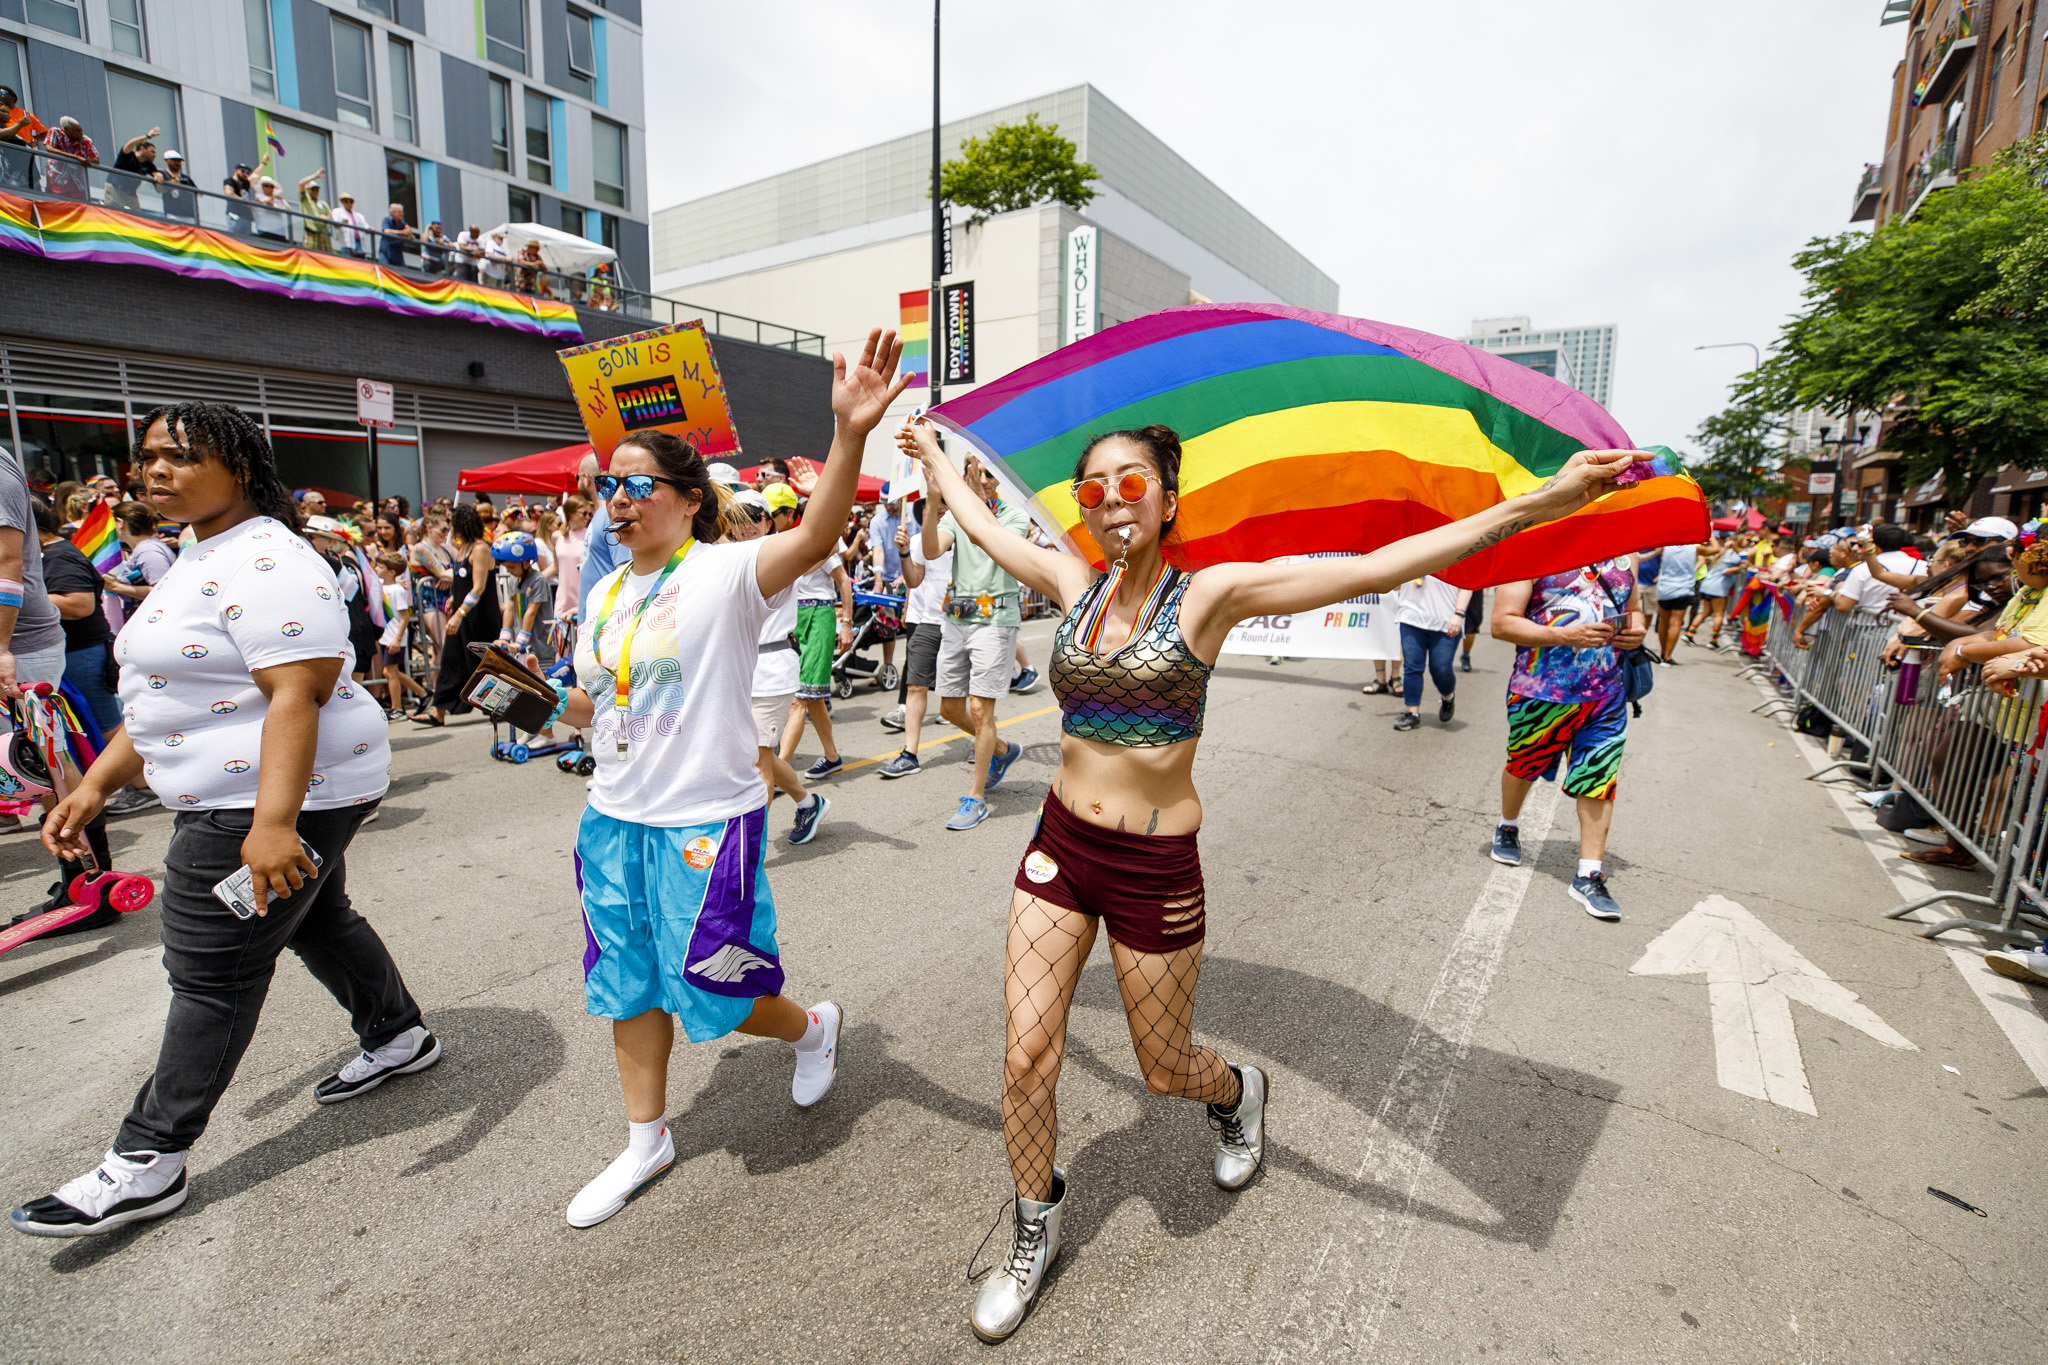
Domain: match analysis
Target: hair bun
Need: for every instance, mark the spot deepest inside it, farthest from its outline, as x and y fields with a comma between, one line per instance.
x=1164, y=437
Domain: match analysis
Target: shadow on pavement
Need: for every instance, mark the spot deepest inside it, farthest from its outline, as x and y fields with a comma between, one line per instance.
x=138, y=929
x=1302, y=679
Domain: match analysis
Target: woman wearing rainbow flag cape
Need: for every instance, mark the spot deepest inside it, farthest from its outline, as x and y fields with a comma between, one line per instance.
x=1116, y=840
x=679, y=923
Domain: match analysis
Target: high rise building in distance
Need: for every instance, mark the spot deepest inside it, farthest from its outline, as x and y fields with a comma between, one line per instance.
x=1582, y=357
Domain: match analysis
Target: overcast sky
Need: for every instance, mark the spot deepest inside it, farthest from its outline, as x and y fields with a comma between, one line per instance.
x=1649, y=164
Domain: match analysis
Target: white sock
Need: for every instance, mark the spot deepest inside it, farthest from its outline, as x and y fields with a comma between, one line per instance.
x=1511, y=824
x=1588, y=866
x=646, y=1137
x=814, y=1034
x=810, y=799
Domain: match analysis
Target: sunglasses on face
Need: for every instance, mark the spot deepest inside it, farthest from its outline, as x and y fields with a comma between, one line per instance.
x=1090, y=493
x=639, y=487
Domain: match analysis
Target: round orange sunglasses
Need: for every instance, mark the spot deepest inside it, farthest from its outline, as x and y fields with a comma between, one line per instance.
x=1130, y=488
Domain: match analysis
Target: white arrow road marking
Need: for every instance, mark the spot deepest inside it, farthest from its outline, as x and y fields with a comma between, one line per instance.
x=1753, y=976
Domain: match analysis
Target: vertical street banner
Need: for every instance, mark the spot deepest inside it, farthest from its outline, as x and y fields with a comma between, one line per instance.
x=664, y=379
x=1363, y=627
x=959, y=340
x=914, y=330
x=1083, y=291
x=945, y=239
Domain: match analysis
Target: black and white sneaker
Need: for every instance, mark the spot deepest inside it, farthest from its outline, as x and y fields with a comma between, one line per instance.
x=414, y=1050
x=124, y=1189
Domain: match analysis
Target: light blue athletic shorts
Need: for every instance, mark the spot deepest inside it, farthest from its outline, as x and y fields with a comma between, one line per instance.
x=679, y=920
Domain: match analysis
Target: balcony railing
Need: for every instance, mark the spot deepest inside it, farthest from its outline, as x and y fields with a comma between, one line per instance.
x=1868, y=190
x=1949, y=56
x=1936, y=171
x=34, y=173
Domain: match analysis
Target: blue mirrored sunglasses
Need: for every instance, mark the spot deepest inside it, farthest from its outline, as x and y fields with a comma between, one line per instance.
x=639, y=487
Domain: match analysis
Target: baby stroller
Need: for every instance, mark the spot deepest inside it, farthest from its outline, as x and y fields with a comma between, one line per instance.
x=877, y=616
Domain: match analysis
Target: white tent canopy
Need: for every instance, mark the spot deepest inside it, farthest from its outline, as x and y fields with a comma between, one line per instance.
x=563, y=252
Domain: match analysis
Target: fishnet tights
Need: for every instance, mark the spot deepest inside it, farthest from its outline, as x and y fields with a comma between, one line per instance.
x=1048, y=946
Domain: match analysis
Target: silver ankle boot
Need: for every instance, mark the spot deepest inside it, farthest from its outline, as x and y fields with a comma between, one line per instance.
x=1241, y=1133
x=1034, y=1241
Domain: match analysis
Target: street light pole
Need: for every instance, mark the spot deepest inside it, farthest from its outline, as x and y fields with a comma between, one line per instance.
x=936, y=315
x=1722, y=345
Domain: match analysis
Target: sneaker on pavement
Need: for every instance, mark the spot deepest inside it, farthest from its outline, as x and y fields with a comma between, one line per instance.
x=973, y=810
x=903, y=765
x=413, y=1050
x=807, y=818
x=1930, y=834
x=1408, y=720
x=893, y=720
x=818, y=1068
x=1025, y=680
x=1507, y=845
x=1591, y=892
x=128, y=800
x=1000, y=764
x=1241, y=1132
x=1447, y=710
x=1876, y=798
x=824, y=767
x=2021, y=964
x=621, y=1180
x=1464, y=663
x=124, y=1189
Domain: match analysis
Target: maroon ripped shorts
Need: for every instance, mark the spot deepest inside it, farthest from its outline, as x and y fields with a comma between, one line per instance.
x=1147, y=888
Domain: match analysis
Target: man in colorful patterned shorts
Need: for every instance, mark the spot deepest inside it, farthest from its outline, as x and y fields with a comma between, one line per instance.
x=1566, y=710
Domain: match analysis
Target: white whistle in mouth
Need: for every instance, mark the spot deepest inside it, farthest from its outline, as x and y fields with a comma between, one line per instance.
x=1125, y=532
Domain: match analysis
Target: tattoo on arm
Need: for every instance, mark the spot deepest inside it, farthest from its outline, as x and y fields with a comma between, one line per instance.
x=1497, y=535
x=1153, y=827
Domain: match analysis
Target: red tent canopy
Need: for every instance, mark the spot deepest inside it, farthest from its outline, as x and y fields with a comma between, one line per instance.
x=549, y=471
x=870, y=489
x=1753, y=520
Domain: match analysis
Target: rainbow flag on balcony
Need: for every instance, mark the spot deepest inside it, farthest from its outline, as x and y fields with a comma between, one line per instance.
x=96, y=539
x=1304, y=432
x=914, y=329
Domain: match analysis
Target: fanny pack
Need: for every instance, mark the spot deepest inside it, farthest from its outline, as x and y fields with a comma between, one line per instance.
x=978, y=608
x=787, y=642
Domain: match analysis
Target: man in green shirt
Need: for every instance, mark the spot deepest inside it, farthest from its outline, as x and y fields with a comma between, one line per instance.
x=978, y=638
x=319, y=233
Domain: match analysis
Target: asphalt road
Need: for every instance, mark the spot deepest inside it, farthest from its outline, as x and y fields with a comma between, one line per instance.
x=1489, y=1138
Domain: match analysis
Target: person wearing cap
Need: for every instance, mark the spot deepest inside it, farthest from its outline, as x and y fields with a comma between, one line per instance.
x=272, y=211
x=133, y=164
x=240, y=189
x=317, y=232
x=20, y=131
x=354, y=237
x=182, y=204
x=497, y=262
x=526, y=600
x=358, y=586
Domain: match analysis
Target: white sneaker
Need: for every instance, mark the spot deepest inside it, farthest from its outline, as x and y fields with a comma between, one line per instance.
x=1932, y=834
x=2021, y=964
x=623, y=1179
x=818, y=1068
x=123, y=1189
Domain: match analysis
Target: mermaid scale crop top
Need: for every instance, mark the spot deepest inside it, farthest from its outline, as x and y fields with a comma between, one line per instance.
x=1149, y=693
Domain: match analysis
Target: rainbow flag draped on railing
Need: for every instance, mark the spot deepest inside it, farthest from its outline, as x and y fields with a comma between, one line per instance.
x=1305, y=432
x=87, y=232
x=96, y=539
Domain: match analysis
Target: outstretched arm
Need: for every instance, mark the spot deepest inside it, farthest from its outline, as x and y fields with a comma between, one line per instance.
x=1229, y=593
x=1055, y=573
x=860, y=395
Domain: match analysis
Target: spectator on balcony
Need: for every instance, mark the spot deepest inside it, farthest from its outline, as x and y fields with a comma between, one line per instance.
x=530, y=268
x=397, y=232
x=354, y=236
x=435, y=248
x=316, y=232
x=19, y=131
x=67, y=177
x=497, y=260
x=133, y=164
x=182, y=204
x=272, y=212
x=240, y=189
x=469, y=253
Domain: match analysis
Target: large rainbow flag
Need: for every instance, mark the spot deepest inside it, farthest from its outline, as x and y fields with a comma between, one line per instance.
x=1304, y=432
x=96, y=538
x=67, y=231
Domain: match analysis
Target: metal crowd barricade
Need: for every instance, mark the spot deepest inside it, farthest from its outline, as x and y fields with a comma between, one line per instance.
x=1843, y=677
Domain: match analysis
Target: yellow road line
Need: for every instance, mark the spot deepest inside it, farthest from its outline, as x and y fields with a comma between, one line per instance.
x=949, y=738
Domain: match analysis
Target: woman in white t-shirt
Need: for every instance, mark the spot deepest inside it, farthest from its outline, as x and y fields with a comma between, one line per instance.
x=1432, y=616
x=237, y=706
x=775, y=679
x=678, y=919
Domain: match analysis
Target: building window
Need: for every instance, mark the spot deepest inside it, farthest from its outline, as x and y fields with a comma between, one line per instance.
x=125, y=18
x=572, y=220
x=608, y=161
x=60, y=16
x=401, y=90
x=262, y=69
x=352, y=98
x=138, y=105
x=1991, y=81
x=518, y=206
x=501, y=124
x=14, y=72
x=582, y=55
x=380, y=8
x=505, y=32
x=540, y=156
x=402, y=173
x=607, y=229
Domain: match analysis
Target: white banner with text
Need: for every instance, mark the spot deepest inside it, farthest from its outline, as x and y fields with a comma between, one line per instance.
x=1362, y=627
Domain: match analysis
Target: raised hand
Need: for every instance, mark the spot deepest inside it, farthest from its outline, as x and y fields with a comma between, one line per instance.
x=1584, y=477
x=862, y=392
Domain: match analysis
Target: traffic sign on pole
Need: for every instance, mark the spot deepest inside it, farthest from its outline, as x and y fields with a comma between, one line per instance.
x=375, y=406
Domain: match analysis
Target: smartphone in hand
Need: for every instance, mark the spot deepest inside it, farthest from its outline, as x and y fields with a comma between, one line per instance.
x=237, y=890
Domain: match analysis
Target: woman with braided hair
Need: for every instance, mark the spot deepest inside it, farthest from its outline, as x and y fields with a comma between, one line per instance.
x=238, y=708
x=1116, y=840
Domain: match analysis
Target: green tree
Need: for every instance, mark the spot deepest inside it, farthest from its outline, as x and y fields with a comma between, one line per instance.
x=1937, y=320
x=1016, y=166
x=1745, y=454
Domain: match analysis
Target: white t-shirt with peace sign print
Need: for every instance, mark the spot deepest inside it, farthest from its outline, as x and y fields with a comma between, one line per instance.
x=252, y=597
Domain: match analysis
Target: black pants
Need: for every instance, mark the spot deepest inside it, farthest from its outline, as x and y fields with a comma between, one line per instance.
x=220, y=967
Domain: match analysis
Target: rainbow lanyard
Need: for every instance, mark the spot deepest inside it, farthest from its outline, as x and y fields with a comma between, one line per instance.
x=622, y=675
x=1088, y=630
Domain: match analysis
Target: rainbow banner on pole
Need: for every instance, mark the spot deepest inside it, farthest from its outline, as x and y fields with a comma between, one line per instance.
x=914, y=330
x=1304, y=432
x=87, y=232
x=96, y=539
